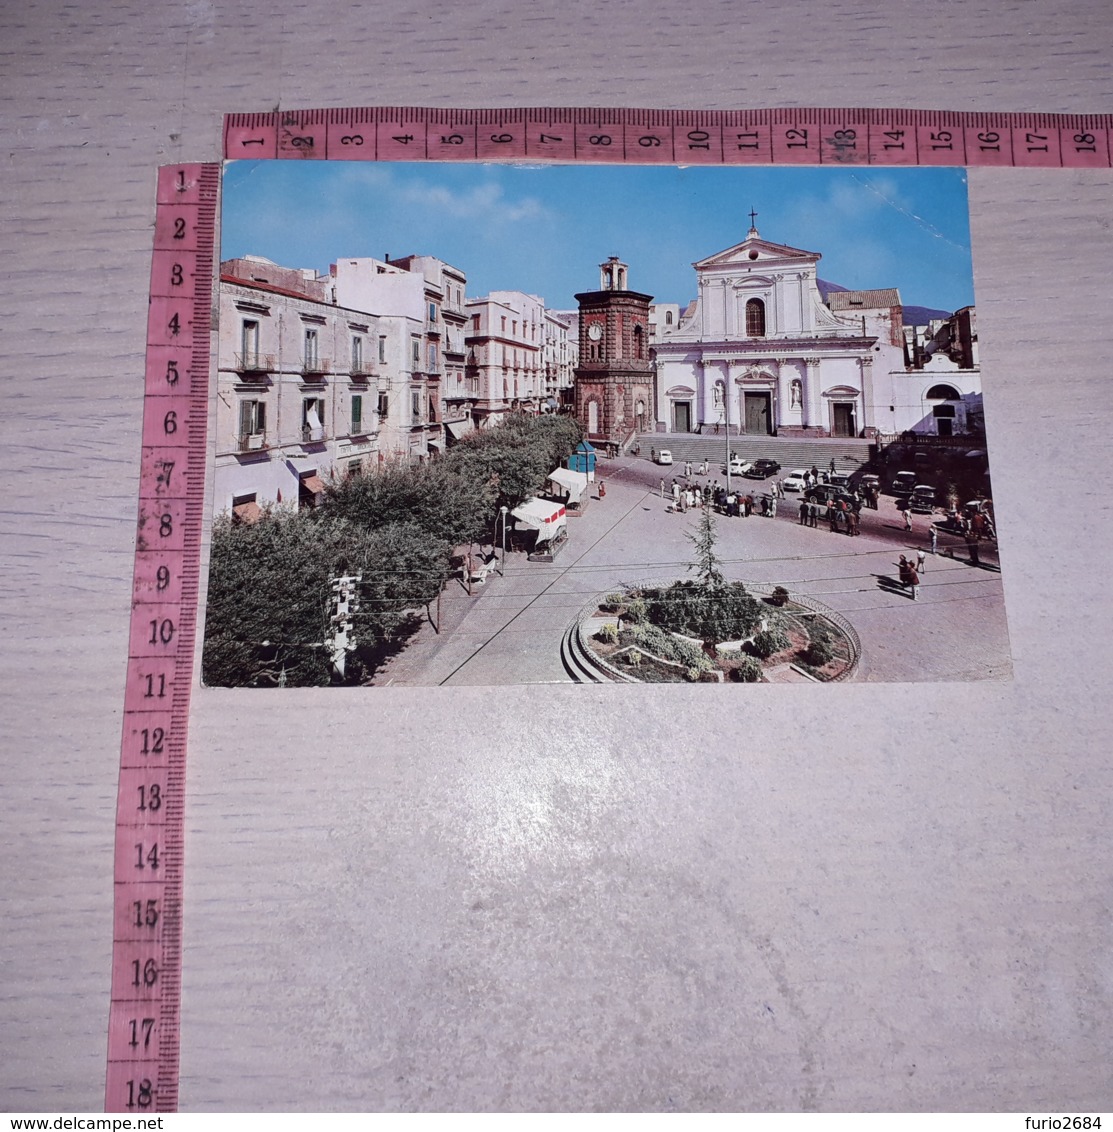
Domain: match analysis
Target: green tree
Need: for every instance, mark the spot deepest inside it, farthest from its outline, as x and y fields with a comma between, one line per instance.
x=444, y=499
x=703, y=538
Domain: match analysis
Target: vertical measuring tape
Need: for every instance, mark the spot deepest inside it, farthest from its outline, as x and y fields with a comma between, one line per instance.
x=147, y=920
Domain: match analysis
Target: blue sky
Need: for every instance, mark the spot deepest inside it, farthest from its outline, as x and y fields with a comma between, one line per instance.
x=545, y=229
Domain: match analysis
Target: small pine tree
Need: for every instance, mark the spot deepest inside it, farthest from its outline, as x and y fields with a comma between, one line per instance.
x=707, y=562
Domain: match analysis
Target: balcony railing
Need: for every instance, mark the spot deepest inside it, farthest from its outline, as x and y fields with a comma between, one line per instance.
x=311, y=435
x=315, y=367
x=253, y=363
x=360, y=369
x=252, y=441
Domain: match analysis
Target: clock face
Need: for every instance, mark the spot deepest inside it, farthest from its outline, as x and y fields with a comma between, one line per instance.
x=595, y=332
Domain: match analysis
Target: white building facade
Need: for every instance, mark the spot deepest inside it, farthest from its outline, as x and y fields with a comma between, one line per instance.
x=760, y=352
x=297, y=387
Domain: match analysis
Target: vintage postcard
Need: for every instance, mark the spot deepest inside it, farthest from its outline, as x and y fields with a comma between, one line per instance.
x=491, y=424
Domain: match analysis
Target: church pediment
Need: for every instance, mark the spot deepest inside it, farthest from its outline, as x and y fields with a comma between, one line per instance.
x=756, y=251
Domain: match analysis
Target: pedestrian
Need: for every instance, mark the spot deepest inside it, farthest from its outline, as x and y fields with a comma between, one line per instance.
x=675, y=492
x=832, y=465
x=662, y=489
x=602, y=490
x=904, y=572
x=688, y=468
x=921, y=558
x=653, y=454
x=747, y=506
x=813, y=514
x=913, y=582
x=804, y=508
x=934, y=539
x=833, y=518
x=906, y=515
x=852, y=524
x=972, y=548
x=772, y=507
x=703, y=469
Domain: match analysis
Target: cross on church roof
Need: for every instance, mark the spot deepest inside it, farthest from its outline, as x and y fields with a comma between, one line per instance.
x=752, y=217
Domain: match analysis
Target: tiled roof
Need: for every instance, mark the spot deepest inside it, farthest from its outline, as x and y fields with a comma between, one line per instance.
x=863, y=300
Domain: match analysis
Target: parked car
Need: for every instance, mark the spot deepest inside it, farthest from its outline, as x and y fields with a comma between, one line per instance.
x=923, y=498
x=839, y=479
x=796, y=480
x=737, y=467
x=763, y=469
x=903, y=483
x=870, y=480
x=664, y=456
x=825, y=492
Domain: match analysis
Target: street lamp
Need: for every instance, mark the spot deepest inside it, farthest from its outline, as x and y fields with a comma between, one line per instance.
x=502, y=565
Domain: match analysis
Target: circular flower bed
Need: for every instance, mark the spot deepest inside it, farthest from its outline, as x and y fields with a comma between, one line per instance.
x=691, y=632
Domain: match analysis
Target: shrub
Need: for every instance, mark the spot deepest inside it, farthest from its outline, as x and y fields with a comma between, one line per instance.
x=612, y=603
x=771, y=641
x=711, y=613
x=819, y=653
x=637, y=611
x=608, y=635
x=779, y=596
x=664, y=645
x=746, y=671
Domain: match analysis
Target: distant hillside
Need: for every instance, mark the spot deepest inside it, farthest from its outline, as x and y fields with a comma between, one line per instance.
x=909, y=315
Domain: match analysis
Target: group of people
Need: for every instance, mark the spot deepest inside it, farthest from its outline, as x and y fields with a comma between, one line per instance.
x=840, y=514
x=732, y=504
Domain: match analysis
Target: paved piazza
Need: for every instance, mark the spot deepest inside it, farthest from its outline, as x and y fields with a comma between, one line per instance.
x=509, y=631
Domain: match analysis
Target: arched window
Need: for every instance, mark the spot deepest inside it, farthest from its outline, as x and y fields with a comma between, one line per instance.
x=755, y=318
x=943, y=393
x=639, y=342
x=668, y=318
x=593, y=418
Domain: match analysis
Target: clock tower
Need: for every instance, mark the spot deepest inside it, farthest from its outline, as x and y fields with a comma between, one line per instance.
x=614, y=382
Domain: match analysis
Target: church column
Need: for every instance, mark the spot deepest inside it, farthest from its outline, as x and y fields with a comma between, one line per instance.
x=865, y=402
x=813, y=402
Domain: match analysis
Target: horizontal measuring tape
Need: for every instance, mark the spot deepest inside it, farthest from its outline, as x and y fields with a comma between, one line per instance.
x=671, y=137
x=144, y=1019
x=143, y=1023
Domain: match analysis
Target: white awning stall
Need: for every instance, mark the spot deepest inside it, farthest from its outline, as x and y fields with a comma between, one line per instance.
x=571, y=485
x=546, y=518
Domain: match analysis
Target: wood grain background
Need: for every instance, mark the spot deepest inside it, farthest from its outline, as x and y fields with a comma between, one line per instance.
x=870, y=897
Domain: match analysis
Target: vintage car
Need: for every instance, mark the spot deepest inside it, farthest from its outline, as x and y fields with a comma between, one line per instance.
x=903, y=483
x=796, y=480
x=664, y=456
x=762, y=469
x=923, y=498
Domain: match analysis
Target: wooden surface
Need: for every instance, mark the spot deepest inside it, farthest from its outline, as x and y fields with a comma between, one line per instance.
x=867, y=897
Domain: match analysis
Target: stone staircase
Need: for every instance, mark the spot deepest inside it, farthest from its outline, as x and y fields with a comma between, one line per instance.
x=789, y=452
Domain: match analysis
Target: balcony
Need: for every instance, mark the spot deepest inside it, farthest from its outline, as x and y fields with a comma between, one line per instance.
x=311, y=434
x=315, y=368
x=362, y=370
x=253, y=364
x=251, y=441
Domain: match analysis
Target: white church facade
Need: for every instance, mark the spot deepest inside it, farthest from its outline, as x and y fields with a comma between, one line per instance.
x=760, y=352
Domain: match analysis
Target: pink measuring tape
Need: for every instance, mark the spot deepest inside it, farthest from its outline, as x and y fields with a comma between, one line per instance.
x=147, y=922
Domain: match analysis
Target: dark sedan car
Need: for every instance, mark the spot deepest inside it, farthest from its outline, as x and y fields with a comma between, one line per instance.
x=763, y=469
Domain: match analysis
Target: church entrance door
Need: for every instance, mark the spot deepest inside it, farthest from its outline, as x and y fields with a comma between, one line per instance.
x=682, y=416
x=843, y=413
x=757, y=419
